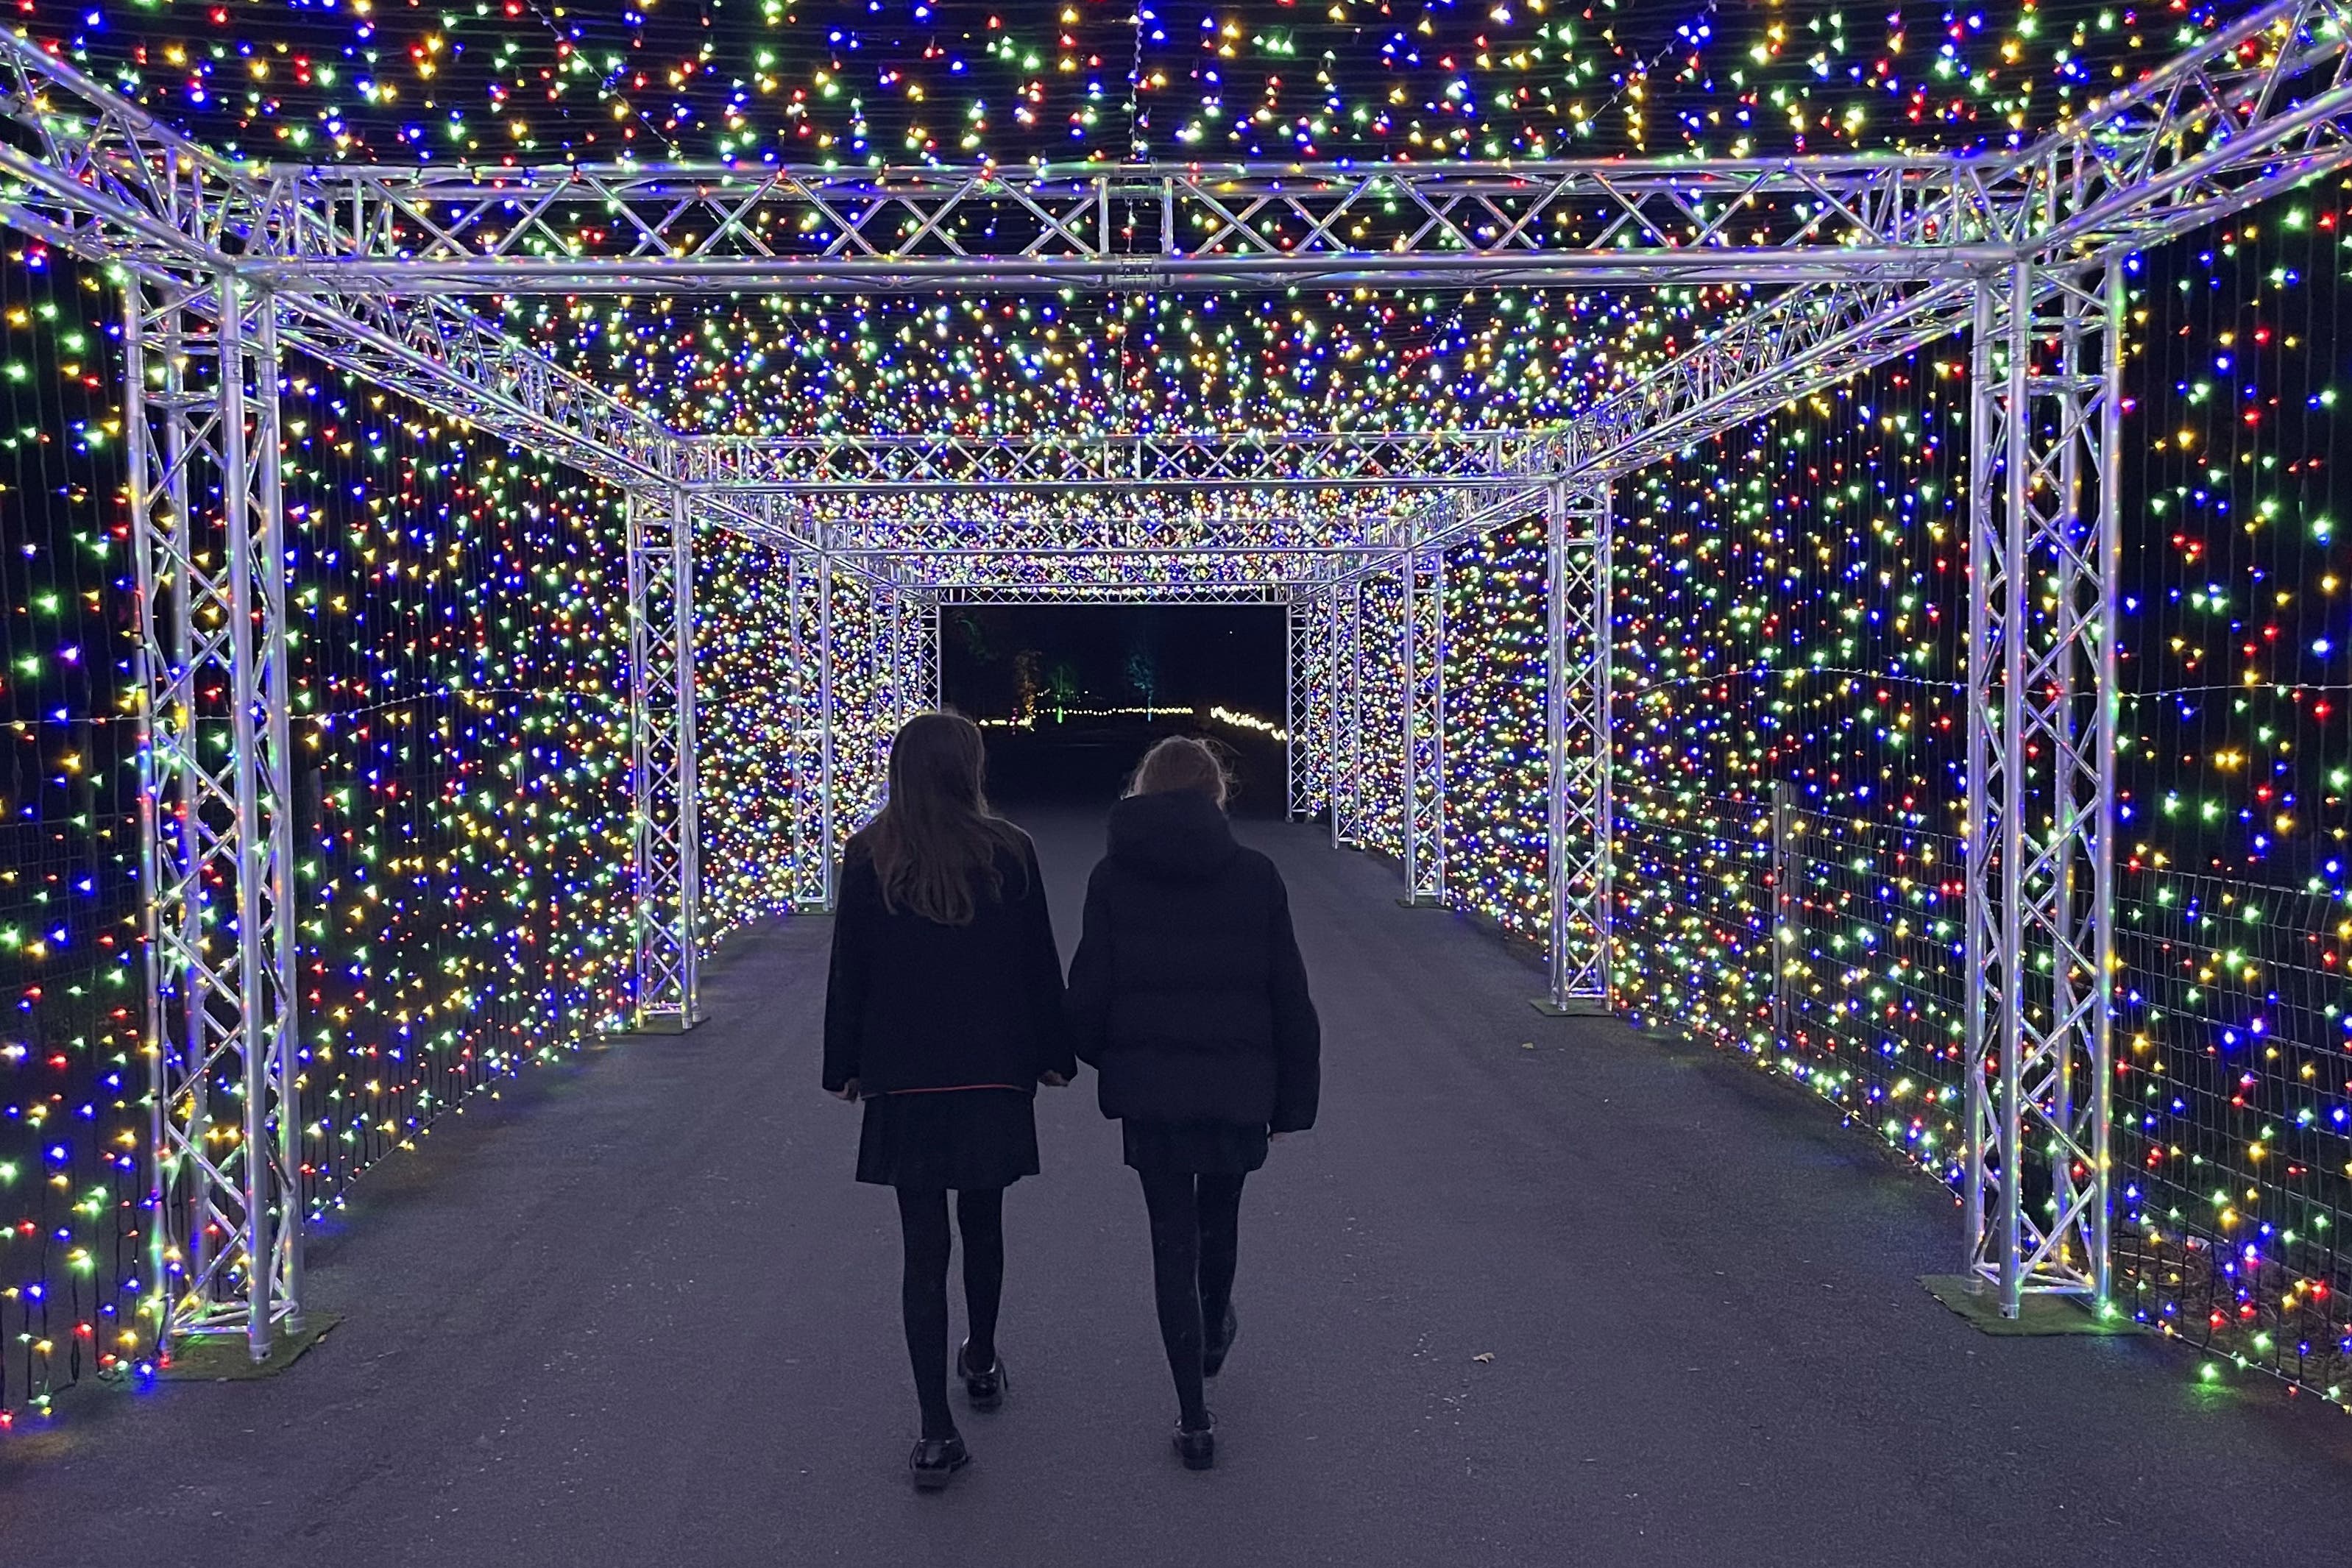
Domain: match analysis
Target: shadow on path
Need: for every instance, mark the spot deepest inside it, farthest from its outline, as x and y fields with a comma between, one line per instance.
x=1536, y=1292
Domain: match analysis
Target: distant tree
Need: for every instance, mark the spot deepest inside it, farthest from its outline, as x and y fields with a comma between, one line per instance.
x=1143, y=675
x=1025, y=684
x=1061, y=684
x=976, y=638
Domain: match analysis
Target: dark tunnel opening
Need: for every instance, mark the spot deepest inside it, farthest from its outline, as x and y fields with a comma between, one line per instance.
x=1071, y=695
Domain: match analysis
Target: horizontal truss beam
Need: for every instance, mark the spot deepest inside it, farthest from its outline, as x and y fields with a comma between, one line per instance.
x=1117, y=593
x=2134, y=169
x=2248, y=111
x=857, y=465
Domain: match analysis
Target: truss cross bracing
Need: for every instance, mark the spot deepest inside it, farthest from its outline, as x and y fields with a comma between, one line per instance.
x=1847, y=261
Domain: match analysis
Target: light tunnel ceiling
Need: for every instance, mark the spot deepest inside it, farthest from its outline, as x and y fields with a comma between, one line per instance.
x=904, y=82
x=993, y=366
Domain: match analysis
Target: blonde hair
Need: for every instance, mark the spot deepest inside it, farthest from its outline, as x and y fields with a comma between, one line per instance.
x=1181, y=762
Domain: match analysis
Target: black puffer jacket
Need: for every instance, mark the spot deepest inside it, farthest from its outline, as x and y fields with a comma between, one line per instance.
x=912, y=1004
x=1188, y=995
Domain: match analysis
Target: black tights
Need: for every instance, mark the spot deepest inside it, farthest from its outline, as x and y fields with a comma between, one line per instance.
x=923, y=1290
x=1195, y=1239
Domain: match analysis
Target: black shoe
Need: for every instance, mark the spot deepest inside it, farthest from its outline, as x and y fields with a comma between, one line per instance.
x=985, y=1389
x=1213, y=1355
x=1197, y=1446
x=935, y=1459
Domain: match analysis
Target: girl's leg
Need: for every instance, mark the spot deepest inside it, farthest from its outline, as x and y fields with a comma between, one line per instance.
x=923, y=1297
x=1168, y=1197
x=980, y=1216
x=1219, y=1206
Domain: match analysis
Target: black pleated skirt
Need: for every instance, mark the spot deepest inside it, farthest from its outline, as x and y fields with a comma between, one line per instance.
x=1199, y=1148
x=965, y=1139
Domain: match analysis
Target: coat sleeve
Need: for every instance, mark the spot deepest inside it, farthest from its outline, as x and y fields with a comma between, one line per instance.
x=1043, y=958
x=846, y=980
x=1298, y=1032
x=1090, y=972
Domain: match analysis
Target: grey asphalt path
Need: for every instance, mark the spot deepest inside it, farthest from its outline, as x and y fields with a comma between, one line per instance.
x=1536, y=1291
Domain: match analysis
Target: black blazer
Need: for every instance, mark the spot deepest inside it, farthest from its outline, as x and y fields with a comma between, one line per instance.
x=1188, y=993
x=912, y=1004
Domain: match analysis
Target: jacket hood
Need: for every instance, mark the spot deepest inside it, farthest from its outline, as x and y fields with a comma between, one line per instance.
x=1178, y=836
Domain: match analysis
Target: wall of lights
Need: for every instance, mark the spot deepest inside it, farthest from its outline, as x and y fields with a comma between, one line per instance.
x=1376, y=758
x=1790, y=611
x=72, y=1080
x=1495, y=747
x=750, y=708
x=461, y=791
x=1789, y=602
x=1790, y=596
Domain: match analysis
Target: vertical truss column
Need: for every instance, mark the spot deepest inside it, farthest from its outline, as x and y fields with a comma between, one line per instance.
x=889, y=616
x=912, y=616
x=217, y=809
x=667, y=871
x=922, y=652
x=1576, y=744
x=828, y=720
x=1306, y=713
x=805, y=593
x=2045, y=388
x=1424, y=726
x=1346, y=693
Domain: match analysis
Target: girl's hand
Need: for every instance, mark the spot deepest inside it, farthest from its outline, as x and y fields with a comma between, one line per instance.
x=1052, y=1080
x=848, y=1092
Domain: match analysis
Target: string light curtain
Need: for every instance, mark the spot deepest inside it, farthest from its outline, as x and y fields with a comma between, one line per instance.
x=462, y=764
x=749, y=696
x=73, y=1078
x=461, y=794
x=1378, y=758
x=1788, y=596
x=1496, y=754
x=2233, y=1088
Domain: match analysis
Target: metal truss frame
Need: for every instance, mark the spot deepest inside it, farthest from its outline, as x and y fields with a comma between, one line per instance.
x=1577, y=853
x=372, y=258
x=201, y=421
x=1307, y=714
x=2045, y=423
x=1344, y=730
x=897, y=464
x=1070, y=592
x=666, y=865
x=910, y=618
x=1422, y=732
x=947, y=567
x=808, y=598
x=2110, y=176
x=916, y=639
x=372, y=269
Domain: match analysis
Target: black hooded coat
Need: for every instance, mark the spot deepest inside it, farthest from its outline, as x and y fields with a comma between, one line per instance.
x=1187, y=994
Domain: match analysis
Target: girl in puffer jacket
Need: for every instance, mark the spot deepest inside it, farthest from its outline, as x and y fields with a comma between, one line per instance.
x=1189, y=997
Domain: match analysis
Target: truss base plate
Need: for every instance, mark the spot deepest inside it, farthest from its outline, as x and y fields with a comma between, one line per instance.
x=1422, y=900
x=2038, y=1315
x=1574, y=1007
x=668, y=1023
x=223, y=1358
